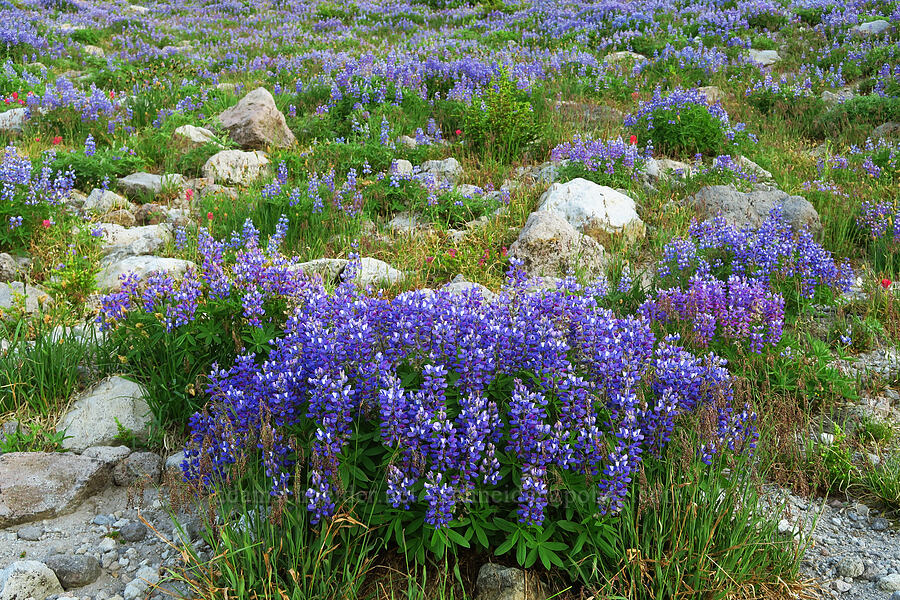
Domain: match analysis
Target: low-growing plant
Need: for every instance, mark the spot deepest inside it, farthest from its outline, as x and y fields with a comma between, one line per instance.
x=682, y=122
x=36, y=438
x=97, y=167
x=170, y=332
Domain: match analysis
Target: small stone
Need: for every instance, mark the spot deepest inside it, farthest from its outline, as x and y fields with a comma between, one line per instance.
x=74, y=571
x=133, y=531
x=506, y=583
x=895, y=595
x=889, y=583
x=107, y=544
x=841, y=586
x=851, y=566
x=30, y=533
x=880, y=524
x=28, y=579
x=784, y=526
x=140, y=466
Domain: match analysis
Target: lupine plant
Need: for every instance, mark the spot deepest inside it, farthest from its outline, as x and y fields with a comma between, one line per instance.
x=448, y=398
x=30, y=198
x=774, y=255
x=683, y=122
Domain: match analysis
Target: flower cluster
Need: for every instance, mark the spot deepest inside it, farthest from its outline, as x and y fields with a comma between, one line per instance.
x=769, y=253
x=459, y=390
x=738, y=311
x=257, y=276
x=603, y=155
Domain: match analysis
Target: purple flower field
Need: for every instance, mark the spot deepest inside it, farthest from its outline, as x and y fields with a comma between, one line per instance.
x=448, y=298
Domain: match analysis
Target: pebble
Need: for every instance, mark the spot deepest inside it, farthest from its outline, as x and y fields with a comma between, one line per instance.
x=841, y=586
x=880, y=524
x=106, y=545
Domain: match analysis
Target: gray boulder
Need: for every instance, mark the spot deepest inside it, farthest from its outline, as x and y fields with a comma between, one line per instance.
x=13, y=121
x=764, y=58
x=753, y=208
x=255, y=122
x=549, y=246
x=191, y=136
x=592, y=208
x=96, y=415
x=101, y=202
x=148, y=184
x=139, y=467
x=9, y=268
x=74, y=570
x=42, y=485
x=876, y=27
x=496, y=582
x=377, y=273
x=33, y=298
x=28, y=579
x=447, y=171
x=109, y=277
x=889, y=129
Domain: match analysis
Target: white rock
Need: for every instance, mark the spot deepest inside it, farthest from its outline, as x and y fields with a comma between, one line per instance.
x=751, y=167
x=95, y=417
x=871, y=28
x=193, y=136
x=549, y=246
x=889, y=583
x=444, y=171
x=403, y=167
x=141, y=10
x=764, y=58
x=589, y=207
x=25, y=579
x=93, y=50
x=109, y=277
x=624, y=55
x=33, y=297
x=13, y=120
x=377, y=273
x=122, y=242
x=103, y=201
x=236, y=167
x=149, y=184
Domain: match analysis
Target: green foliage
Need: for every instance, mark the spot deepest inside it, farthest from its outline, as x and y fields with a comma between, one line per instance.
x=344, y=12
x=873, y=430
x=266, y=550
x=35, y=439
x=41, y=367
x=767, y=20
x=502, y=123
x=694, y=131
x=860, y=110
x=836, y=458
x=883, y=480
x=694, y=531
x=105, y=165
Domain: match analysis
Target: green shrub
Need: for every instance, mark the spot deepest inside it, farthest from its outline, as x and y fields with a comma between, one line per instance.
x=502, y=123
x=860, y=110
x=683, y=123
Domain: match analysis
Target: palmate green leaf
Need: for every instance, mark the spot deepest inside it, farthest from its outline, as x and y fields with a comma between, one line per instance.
x=507, y=545
x=458, y=538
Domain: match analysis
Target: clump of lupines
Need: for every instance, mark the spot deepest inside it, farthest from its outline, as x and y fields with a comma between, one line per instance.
x=738, y=311
x=607, y=156
x=534, y=381
x=683, y=119
x=768, y=254
x=256, y=277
